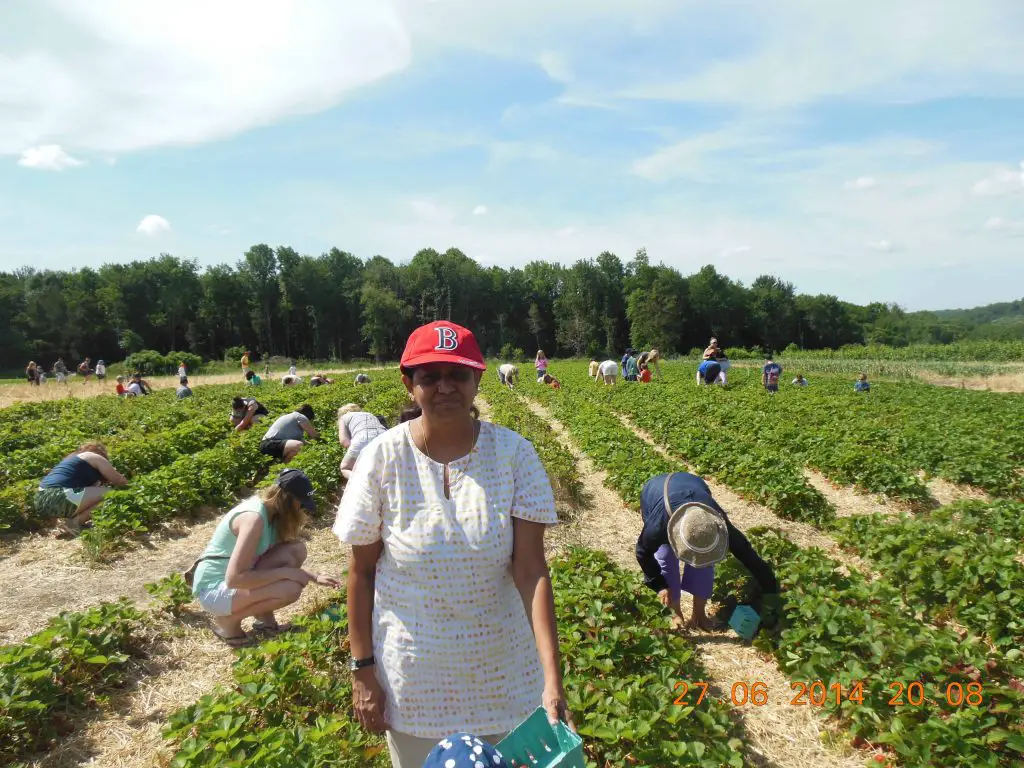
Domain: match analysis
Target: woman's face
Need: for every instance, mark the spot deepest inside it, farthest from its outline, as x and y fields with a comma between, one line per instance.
x=442, y=390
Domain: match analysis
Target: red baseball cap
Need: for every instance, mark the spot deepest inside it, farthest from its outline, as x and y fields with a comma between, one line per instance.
x=442, y=342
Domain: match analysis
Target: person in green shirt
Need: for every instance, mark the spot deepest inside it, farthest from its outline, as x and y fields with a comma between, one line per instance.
x=253, y=563
x=253, y=378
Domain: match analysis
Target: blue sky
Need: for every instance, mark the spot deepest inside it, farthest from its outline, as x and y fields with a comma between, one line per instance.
x=870, y=150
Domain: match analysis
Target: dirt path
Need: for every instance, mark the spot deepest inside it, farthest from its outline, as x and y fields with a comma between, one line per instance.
x=777, y=734
x=182, y=668
x=41, y=576
x=946, y=492
x=849, y=501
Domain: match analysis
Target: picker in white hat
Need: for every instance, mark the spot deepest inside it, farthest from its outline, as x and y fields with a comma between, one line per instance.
x=683, y=523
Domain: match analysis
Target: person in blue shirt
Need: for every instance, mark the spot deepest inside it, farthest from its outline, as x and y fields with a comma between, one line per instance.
x=708, y=371
x=770, y=375
x=72, y=489
x=862, y=384
x=660, y=562
x=629, y=366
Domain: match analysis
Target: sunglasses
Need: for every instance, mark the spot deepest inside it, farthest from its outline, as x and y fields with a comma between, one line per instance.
x=430, y=378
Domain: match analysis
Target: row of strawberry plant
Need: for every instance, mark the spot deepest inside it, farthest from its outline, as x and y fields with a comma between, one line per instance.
x=133, y=458
x=89, y=418
x=289, y=702
x=507, y=410
x=1000, y=517
x=880, y=441
x=973, y=577
x=63, y=668
x=928, y=695
x=724, y=430
x=628, y=460
x=212, y=477
x=690, y=430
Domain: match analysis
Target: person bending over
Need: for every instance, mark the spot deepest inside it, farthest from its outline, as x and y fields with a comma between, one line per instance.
x=287, y=436
x=682, y=521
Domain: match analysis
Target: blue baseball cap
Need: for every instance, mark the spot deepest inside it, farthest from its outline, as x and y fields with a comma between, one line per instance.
x=465, y=751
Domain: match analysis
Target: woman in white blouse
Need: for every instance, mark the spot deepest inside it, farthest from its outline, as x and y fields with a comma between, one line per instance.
x=446, y=517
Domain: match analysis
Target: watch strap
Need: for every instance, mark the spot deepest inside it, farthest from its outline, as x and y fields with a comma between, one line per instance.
x=355, y=664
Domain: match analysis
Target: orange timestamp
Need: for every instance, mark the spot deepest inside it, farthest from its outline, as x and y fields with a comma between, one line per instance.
x=819, y=694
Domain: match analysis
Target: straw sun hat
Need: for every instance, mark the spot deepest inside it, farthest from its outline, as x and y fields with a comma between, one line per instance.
x=696, y=532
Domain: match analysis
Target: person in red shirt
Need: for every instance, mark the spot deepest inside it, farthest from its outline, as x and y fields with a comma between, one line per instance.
x=645, y=373
x=121, y=391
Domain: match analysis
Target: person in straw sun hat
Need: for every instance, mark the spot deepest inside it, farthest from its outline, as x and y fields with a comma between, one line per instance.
x=683, y=523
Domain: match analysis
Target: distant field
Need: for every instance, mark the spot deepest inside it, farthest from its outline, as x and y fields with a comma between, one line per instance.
x=17, y=390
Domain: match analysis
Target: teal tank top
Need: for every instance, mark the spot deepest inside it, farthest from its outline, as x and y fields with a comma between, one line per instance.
x=212, y=572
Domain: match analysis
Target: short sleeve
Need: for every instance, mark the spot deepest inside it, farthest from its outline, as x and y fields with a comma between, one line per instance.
x=360, y=513
x=533, y=499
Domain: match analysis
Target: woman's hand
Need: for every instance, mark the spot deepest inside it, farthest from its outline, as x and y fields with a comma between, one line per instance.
x=556, y=705
x=326, y=581
x=368, y=700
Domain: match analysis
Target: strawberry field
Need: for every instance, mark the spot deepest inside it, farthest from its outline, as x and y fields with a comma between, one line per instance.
x=917, y=655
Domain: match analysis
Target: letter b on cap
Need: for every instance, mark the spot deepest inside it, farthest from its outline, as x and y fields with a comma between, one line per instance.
x=447, y=339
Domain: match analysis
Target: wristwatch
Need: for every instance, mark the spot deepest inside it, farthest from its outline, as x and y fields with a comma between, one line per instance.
x=355, y=664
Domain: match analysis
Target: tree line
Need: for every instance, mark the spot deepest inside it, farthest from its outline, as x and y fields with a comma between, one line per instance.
x=275, y=301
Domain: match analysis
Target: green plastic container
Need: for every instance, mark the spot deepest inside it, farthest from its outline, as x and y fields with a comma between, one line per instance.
x=745, y=622
x=537, y=744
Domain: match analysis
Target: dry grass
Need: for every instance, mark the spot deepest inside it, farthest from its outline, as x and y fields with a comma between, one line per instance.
x=41, y=575
x=777, y=734
x=19, y=393
x=999, y=382
x=946, y=492
x=849, y=501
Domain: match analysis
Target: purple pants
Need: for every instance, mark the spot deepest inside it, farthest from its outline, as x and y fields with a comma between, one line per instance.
x=699, y=582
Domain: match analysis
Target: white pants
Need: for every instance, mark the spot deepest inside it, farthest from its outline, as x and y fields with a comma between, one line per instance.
x=411, y=751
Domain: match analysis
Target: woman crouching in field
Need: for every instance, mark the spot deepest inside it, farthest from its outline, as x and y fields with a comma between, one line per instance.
x=72, y=489
x=253, y=564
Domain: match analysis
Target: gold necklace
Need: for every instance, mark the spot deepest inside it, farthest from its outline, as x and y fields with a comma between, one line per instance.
x=444, y=469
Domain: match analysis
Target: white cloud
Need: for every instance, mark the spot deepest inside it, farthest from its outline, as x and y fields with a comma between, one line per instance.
x=1003, y=226
x=555, y=66
x=152, y=225
x=430, y=211
x=879, y=245
x=690, y=158
x=1002, y=181
x=794, y=52
x=120, y=75
x=734, y=250
x=862, y=182
x=49, y=157
x=565, y=232
x=480, y=210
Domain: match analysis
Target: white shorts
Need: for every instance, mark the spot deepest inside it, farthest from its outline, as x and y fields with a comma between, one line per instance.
x=217, y=600
x=609, y=370
x=364, y=438
x=74, y=495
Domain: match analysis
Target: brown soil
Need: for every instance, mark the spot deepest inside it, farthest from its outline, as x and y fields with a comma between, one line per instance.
x=777, y=734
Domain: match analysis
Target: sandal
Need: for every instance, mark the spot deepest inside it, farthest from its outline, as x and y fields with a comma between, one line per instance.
x=272, y=629
x=232, y=641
